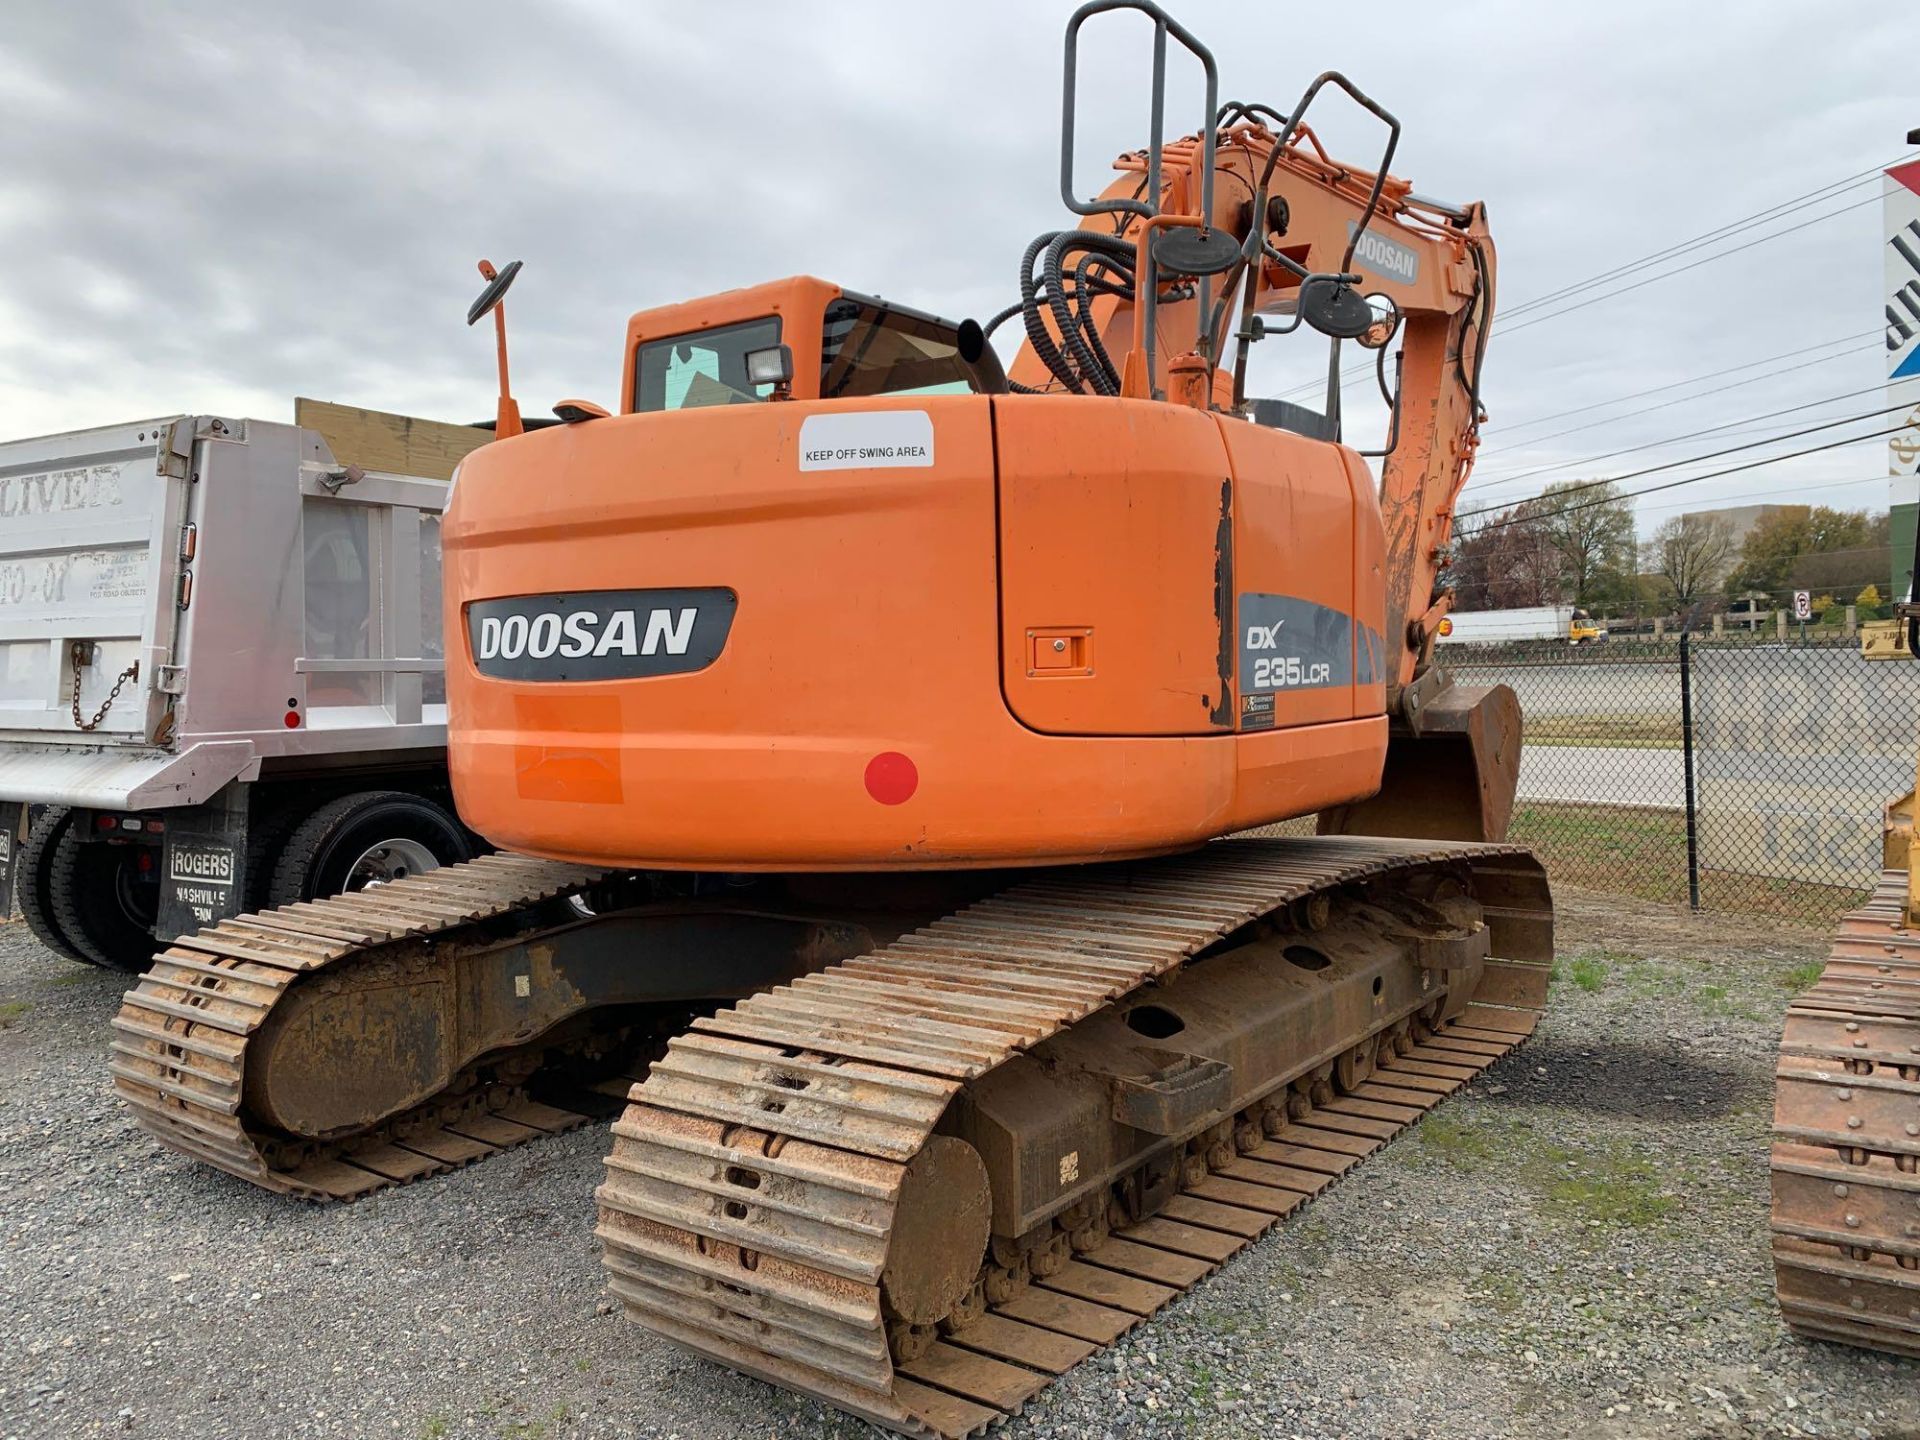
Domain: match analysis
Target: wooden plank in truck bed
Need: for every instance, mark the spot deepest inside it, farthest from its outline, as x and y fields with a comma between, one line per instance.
x=397, y=444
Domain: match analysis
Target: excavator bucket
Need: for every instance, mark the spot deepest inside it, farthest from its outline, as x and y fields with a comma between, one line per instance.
x=1450, y=774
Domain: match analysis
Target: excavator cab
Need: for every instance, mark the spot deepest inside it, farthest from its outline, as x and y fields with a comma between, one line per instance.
x=840, y=346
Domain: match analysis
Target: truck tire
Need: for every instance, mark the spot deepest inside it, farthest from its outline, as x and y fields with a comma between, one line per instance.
x=33, y=882
x=366, y=839
x=267, y=832
x=104, y=902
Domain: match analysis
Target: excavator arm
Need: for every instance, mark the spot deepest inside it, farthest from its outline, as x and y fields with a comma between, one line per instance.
x=1253, y=232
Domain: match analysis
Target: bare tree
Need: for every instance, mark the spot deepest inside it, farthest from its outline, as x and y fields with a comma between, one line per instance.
x=1591, y=528
x=1509, y=561
x=1690, y=553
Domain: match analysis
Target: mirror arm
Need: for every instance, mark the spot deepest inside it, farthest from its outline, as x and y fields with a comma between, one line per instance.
x=506, y=418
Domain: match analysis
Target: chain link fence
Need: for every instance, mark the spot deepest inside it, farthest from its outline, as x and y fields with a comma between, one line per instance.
x=1720, y=773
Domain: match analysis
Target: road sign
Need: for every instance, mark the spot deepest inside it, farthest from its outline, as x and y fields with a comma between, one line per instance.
x=1802, y=605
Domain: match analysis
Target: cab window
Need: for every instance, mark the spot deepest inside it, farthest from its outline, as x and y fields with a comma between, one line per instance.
x=868, y=347
x=708, y=367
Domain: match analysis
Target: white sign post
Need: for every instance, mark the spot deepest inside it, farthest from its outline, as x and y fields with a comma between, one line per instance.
x=1802, y=606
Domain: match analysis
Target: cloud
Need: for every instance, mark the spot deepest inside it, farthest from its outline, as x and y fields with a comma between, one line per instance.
x=212, y=207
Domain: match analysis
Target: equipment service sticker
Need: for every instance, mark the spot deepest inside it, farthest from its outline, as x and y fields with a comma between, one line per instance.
x=866, y=440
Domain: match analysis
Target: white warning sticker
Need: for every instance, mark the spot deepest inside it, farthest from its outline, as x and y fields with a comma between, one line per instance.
x=866, y=440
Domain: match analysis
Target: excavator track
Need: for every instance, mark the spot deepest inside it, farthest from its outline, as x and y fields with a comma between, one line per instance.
x=1846, y=1151
x=778, y=1180
x=181, y=1044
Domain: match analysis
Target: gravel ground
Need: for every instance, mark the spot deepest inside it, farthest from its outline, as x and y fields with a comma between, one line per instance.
x=1576, y=1246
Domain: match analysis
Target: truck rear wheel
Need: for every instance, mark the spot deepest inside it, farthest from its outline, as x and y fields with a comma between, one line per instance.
x=33, y=881
x=368, y=839
x=105, y=900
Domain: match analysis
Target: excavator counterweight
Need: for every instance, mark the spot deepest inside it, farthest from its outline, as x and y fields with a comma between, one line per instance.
x=868, y=722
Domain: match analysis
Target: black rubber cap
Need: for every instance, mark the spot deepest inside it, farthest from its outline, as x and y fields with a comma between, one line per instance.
x=1188, y=251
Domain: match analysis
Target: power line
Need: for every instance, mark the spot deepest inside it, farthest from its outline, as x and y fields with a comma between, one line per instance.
x=1696, y=459
x=1683, y=269
x=1872, y=344
x=1776, y=212
x=1676, y=439
x=1673, y=252
x=1508, y=429
x=1675, y=484
x=1795, y=487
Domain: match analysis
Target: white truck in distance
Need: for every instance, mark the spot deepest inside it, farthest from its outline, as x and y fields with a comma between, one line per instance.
x=220, y=675
x=1530, y=622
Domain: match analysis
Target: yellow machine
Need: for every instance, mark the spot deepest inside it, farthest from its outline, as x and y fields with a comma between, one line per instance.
x=1846, y=1152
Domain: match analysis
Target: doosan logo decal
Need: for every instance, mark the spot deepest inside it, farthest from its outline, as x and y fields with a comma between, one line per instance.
x=585, y=632
x=599, y=635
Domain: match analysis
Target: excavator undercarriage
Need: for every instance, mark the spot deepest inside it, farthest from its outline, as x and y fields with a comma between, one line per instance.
x=914, y=1163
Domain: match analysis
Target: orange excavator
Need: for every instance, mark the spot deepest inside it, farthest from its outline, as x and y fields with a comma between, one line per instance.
x=869, y=729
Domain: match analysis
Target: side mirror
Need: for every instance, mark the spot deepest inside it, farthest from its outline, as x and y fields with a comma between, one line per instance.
x=498, y=283
x=1190, y=250
x=506, y=421
x=1335, y=308
x=1386, y=322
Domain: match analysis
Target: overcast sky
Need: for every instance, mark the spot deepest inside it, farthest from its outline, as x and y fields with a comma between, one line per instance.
x=216, y=207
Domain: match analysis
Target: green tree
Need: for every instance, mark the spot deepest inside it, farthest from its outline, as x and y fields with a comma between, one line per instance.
x=1777, y=554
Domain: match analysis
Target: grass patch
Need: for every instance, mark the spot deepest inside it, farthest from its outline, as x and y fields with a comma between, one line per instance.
x=1801, y=976
x=1613, y=1187
x=1465, y=1147
x=1643, y=853
x=434, y=1427
x=12, y=1010
x=1613, y=732
x=1501, y=1290
x=67, y=982
x=1200, y=1384
x=1589, y=972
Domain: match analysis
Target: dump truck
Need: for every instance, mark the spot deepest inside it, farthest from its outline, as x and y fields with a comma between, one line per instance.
x=866, y=727
x=221, y=679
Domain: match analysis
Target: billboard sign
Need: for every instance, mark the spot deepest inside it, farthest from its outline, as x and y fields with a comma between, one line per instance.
x=1901, y=258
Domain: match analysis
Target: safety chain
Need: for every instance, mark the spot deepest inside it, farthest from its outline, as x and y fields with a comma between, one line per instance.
x=131, y=672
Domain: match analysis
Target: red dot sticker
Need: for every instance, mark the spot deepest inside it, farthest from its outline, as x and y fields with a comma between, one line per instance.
x=892, y=778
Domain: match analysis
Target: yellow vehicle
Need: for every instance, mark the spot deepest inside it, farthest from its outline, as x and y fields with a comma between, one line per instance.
x=1846, y=1117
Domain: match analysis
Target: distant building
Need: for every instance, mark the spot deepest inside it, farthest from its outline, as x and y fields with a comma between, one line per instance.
x=1739, y=519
